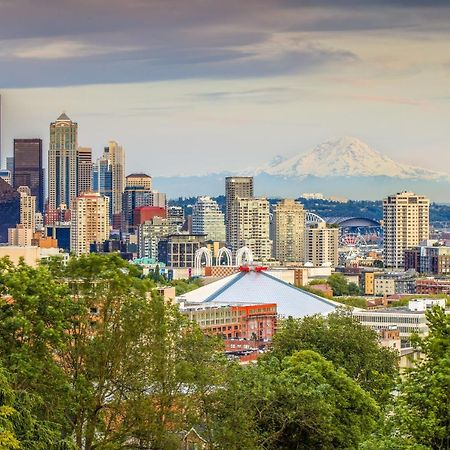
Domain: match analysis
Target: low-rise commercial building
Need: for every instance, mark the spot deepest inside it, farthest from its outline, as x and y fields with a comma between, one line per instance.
x=249, y=322
x=408, y=320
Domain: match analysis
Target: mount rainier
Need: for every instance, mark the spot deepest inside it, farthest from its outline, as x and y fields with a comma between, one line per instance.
x=344, y=167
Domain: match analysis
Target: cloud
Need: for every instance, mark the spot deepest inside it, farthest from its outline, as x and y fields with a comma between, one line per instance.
x=53, y=43
x=45, y=49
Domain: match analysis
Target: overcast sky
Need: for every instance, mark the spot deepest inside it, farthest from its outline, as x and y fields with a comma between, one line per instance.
x=196, y=86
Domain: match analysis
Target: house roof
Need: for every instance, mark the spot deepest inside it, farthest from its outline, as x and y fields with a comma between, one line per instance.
x=247, y=288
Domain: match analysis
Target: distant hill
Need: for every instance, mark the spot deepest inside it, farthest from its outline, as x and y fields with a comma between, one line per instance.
x=327, y=208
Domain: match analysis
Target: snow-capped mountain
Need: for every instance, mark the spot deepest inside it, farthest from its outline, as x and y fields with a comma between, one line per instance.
x=346, y=157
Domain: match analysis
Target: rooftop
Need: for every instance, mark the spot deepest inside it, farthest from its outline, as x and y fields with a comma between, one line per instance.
x=63, y=117
x=248, y=288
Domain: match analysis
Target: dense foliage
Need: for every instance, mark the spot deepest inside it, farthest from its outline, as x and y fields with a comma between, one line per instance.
x=92, y=358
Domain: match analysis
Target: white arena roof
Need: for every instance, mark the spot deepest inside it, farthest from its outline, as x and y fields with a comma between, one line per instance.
x=250, y=288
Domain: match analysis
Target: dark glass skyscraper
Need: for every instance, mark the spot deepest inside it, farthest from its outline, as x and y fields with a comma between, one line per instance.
x=9, y=209
x=28, y=170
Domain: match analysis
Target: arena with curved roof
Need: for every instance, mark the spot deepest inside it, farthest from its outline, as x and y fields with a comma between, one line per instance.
x=259, y=287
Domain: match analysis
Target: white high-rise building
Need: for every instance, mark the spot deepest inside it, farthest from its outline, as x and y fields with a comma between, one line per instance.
x=322, y=245
x=406, y=223
x=235, y=187
x=90, y=222
x=251, y=227
x=289, y=231
x=207, y=218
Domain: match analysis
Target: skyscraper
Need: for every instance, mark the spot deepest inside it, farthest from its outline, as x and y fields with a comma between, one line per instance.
x=251, y=227
x=289, y=231
x=9, y=209
x=62, y=162
x=321, y=245
x=235, y=187
x=90, y=222
x=138, y=192
x=406, y=225
x=84, y=171
x=114, y=153
x=207, y=218
x=139, y=179
x=28, y=169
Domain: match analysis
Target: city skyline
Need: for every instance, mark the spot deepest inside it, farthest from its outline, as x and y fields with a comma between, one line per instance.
x=253, y=80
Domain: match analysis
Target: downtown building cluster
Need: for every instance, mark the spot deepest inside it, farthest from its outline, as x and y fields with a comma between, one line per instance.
x=92, y=205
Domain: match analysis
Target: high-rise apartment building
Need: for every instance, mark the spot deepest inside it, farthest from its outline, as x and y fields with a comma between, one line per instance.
x=251, y=227
x=289, y=231
x=235, y=187
x=28, y=169
x=207, y=218
x=322, y=244
x=27, y=208
x=84, y=158
x=62, y=162
x=406, y=223
x=20, y=236
x=90, y=222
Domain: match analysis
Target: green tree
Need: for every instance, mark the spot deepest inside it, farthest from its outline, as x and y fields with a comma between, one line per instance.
x=36, y=313
x=304, y=402
x=19, y=426
x=353, y=289
x=339, y=284
x=349, y=345
x=422, y=409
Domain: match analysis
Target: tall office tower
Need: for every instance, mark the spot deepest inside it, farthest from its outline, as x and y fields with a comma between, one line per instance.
x=115, y=154
x=90, y=222
x=322, y=244
x=251, y=227
x=207, y=218
x=150, y=233
x=62, y=162
x=406, y=224
x=133, y=197
x=28, y=169
x=235, y=187
x=289, y=231
x=9, y=209
x=95, y=176
x=84, y=161
x=139, y=179
x=27, y=208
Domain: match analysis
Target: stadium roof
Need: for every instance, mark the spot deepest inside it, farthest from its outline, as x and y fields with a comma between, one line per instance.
x=352, y=221
x=252, y=288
